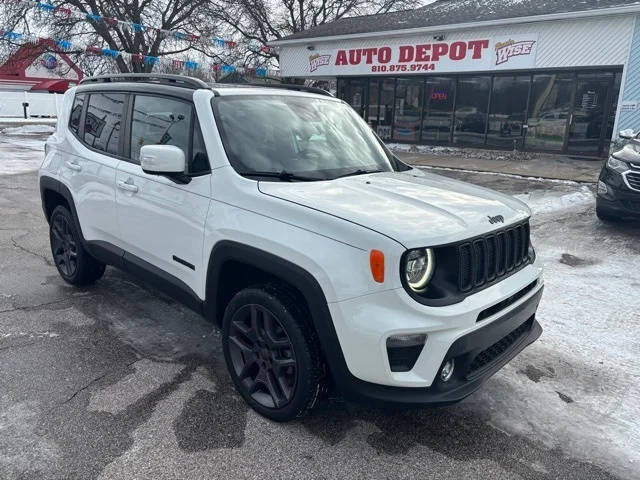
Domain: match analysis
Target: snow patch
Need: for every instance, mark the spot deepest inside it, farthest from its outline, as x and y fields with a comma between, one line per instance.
x=22, y=152
x=403, y=147
x=29, y=130
x=543, y=202
x=30, y=335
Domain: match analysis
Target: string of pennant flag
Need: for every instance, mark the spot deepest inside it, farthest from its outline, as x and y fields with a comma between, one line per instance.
x=62, y=11
x=175, y=63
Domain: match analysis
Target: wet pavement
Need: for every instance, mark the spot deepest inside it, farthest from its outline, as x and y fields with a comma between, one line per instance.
x=119, y=381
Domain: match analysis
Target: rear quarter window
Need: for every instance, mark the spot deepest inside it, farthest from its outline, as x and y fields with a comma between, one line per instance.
x=76, y=114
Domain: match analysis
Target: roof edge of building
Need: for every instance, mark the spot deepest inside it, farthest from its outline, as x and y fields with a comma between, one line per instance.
x=619, y=10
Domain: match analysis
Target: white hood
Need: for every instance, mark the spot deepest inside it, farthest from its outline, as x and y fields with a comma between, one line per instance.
x=413, y=208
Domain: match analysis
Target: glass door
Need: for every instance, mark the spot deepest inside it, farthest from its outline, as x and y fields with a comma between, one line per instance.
x=549, y=109
x=408, y=109
x=588, y=120
x=508, y=112
x=438, y=109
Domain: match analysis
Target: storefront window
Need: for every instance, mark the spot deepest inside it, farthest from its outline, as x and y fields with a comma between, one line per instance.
x=549, y=109
x=438, y=109
x=508, y=111
x=408, y=107
x=385, y=112
x=571, y=112
x=353, y=92
x=372, y=110
x=472, y=100
x=381, y=106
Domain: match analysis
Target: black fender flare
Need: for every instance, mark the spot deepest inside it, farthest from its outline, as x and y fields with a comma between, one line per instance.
x=302, y=280
x=54, y=185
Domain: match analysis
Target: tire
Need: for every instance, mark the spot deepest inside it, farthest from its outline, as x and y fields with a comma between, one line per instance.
x=272, y=352
x=75, y=265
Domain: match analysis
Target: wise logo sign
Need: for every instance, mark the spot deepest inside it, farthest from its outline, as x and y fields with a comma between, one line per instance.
x=511, y=48
x=318, y=60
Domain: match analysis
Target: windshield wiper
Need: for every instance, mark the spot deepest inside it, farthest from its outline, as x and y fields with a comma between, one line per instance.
x=283, y=175
x=359, y=171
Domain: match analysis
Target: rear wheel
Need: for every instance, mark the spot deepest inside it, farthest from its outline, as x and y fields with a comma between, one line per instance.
x=271, y=352
x=75, y=265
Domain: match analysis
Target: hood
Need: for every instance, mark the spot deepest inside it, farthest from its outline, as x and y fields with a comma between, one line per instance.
x=414, y=208
x=630, y=152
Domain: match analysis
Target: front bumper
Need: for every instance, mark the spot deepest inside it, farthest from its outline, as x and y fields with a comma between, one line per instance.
x=619, y=200
x=362, y=326
x=478, y=355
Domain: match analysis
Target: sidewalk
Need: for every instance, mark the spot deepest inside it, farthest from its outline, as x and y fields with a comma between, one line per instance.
x=526, y=164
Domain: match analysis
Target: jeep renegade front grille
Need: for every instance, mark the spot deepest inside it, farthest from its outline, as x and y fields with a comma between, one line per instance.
x=486, y=259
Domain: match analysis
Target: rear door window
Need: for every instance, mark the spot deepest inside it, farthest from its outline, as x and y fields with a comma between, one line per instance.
x=103, y=121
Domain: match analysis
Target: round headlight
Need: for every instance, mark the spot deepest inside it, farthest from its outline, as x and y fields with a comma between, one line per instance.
x=418, y=268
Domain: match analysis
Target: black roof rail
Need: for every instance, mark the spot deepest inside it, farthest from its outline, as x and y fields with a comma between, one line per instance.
x=292, y=86
x=164, y=79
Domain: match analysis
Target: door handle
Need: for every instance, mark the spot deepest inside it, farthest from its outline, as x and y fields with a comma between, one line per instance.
x=72, y=166
x=129, y=187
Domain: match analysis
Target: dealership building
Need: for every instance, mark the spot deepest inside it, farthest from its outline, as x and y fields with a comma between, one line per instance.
x=531, y=75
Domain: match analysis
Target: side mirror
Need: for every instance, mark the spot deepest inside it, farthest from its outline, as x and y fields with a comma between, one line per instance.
x=627, y=134
x=162, y=159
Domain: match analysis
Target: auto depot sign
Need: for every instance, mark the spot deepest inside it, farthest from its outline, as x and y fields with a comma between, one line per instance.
x=505, y=53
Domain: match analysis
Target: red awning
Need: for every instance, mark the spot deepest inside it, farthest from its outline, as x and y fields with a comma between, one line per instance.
x=52, y=86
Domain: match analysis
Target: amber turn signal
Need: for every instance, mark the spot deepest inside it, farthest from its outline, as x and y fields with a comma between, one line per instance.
x=376, y=262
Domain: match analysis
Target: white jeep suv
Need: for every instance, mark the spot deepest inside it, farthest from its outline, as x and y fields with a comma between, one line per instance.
x=278, y=214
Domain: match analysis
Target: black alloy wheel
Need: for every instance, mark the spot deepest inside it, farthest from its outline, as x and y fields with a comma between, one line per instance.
x=262, y=356
x=272, y=351
x=75, y=264
x=63, y=246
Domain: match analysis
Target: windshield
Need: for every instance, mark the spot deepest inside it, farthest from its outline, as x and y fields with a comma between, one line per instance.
x=288, y=138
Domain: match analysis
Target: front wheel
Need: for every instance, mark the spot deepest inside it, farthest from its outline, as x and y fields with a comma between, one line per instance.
x=75, y=265
x=271, y=352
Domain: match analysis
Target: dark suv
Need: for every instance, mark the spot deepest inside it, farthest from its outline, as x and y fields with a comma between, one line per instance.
x=619, y=183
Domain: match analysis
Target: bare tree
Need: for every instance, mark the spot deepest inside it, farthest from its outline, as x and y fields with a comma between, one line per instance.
x=185, y=16
x=253, y=23
x=257, y=22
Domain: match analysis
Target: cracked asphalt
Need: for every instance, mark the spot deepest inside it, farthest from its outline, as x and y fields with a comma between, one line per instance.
x=119, y=381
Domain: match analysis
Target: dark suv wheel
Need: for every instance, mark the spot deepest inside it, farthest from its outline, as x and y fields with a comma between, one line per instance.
x=271, y=352
x=75, y=265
